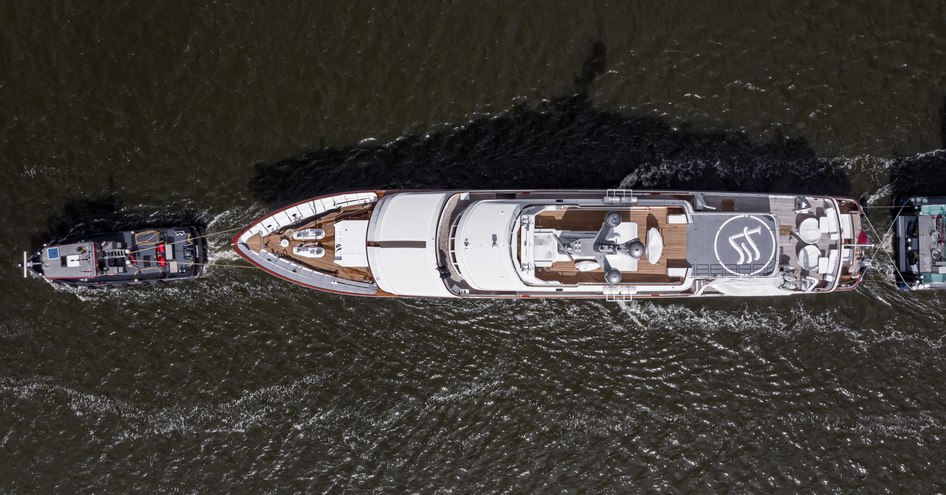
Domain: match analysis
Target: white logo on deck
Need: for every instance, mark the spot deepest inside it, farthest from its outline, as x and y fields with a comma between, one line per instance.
x=748, y=251
x=751, y=239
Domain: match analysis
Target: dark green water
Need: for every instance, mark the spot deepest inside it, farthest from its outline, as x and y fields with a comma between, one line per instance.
x=239, y=382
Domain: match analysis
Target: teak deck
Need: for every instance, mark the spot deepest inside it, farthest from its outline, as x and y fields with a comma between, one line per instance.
x=325, y=264
x=575, y=219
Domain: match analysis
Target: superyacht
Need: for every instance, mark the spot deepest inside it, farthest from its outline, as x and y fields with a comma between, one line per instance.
x=594, y=244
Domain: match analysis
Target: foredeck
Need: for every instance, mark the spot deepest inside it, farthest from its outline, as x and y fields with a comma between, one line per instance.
x=326, y=264
x=646, y=218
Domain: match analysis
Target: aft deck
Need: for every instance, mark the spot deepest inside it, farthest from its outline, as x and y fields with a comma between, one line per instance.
x=812, y=241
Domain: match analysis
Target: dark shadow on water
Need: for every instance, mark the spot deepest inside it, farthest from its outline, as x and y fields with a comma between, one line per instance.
x=942, y=123
x=107, y=213
x=565, y=143
x=924, y=174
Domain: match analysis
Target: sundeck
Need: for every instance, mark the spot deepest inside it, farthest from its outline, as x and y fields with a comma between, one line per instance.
x=613, y=244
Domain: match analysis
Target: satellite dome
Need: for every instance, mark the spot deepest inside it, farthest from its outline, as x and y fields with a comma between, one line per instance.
x=635, y=248
x=613, y=218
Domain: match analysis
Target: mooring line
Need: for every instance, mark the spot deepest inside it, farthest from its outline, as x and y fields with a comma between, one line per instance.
x=208, y=234
x=224, y=265
x=872, y=228
x=870, y=263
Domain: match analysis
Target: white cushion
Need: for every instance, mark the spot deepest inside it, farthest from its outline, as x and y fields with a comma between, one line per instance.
x=655, y=246
x=847, y=226
x=809, y=257
x=587, y=266
x=622, y=262
x=833, y=259
x=677, y=272
x=832, y=215
x=625, y=232
x=676, y=219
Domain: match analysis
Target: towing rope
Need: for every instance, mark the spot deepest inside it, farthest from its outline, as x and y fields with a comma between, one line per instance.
x=877, y=250
x=190, y=238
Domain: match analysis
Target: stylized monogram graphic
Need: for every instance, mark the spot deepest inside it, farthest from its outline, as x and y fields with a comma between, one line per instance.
x=751, y=239
x=748, y=251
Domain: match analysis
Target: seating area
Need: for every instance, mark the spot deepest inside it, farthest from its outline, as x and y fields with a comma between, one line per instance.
x=547, y=251
x=818, y=235
x=662, y=233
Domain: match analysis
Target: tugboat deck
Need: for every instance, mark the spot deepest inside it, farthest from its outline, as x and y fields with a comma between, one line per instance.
x=123, y=258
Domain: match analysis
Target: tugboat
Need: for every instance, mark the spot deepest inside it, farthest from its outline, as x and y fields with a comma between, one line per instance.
x=920, y=243
x=116, y=259
x=609, y=244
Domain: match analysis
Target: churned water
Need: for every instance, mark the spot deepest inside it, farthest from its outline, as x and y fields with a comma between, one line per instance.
x=129, y=112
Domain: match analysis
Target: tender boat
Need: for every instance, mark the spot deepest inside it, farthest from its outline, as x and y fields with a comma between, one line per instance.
x=610, y=244
x=104, y=260
x=920, y=242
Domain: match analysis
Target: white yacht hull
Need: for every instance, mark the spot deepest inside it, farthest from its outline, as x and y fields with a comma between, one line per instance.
x=604, y=244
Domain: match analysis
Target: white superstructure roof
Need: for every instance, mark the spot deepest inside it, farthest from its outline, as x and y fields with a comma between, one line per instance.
x=402, y=244
x=484, y=246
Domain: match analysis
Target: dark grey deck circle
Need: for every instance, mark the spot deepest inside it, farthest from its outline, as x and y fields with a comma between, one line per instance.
x=745, y=245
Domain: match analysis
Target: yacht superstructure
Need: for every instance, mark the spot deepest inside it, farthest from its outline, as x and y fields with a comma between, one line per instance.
x=612, y=244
